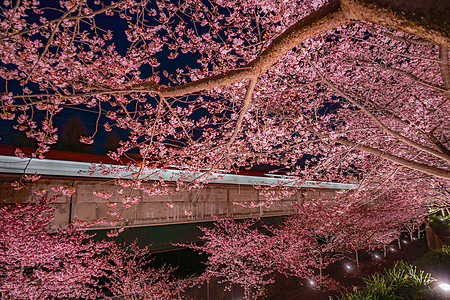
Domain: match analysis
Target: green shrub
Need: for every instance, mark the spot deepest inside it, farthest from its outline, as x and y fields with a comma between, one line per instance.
x=403, y=281
x=446, y=250
x=435, y=258
x=438, y=221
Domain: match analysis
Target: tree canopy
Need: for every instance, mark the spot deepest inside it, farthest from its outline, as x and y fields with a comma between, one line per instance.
x=231, y=84
x=352, y=91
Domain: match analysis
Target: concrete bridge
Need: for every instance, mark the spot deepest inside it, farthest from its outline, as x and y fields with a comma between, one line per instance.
x=218, y=198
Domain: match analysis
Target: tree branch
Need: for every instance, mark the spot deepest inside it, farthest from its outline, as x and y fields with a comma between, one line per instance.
x=445, y=68
x=406, y=40
x=244, y=109
x=178, y=119
x=427, y=19
x=381, y=66
x=325, y=18
x=66, y=17
x=441, y=173
x=376, y=120
x=335, y=13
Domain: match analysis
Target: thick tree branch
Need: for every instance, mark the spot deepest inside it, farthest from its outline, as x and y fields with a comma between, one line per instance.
x=326, y=18
x=437, y=144
x=334, y=14
x=427, y=19
x=392, y=115
x=445, y=68
x=410, y=164
x=441, y=173
x=374, y=118
x=389, y=13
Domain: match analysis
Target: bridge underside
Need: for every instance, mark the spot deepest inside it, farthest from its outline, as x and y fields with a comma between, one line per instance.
x=200, y=205
x=229, y=196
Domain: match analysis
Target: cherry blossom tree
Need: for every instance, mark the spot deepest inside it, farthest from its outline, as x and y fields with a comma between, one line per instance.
x=130, y=275
x=345, y=225
x=38, y=264
x=270, y=82
x=238, y=253
x=318, y=234
x=342, y=90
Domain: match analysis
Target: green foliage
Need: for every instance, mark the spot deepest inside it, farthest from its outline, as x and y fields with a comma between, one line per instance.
x=438, y=221
x=435, y=258
x=403, y=281
x=446, y=250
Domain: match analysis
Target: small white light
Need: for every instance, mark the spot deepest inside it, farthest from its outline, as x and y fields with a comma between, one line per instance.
x=442, y=220
x=404, y=241
x=312, y=282
x=392, y=249
x=348, y=267
x=445, y=286
x=376, y=256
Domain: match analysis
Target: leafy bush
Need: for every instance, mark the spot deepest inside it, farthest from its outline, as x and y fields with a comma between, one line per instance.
x=439, y=222
x=435, y=258
x=403, y=281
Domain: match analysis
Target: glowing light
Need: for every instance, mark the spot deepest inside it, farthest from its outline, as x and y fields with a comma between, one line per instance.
x=404, y=241
x=376, y=256
x=348, y=267
x=312, y=282
x=445, y=286
x=392, y=248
